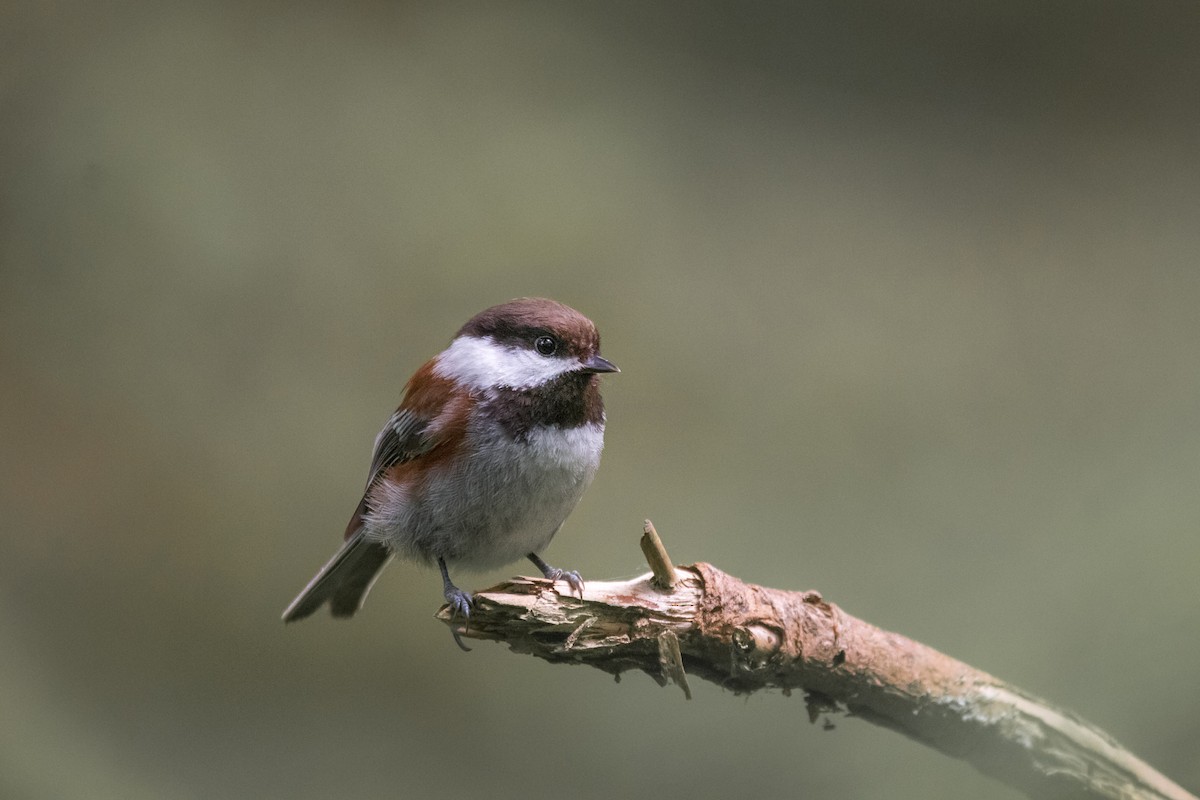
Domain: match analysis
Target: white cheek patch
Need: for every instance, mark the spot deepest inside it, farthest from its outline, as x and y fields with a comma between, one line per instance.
x=482, y=364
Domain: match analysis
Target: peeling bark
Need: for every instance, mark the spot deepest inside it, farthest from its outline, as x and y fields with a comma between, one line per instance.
x=744, y=638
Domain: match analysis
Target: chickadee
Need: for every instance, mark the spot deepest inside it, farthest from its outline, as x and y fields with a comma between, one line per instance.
x=494, y=443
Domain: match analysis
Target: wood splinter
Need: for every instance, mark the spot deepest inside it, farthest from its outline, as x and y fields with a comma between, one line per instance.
x=656, y=556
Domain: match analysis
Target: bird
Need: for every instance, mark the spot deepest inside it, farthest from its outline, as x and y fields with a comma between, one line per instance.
x=494, y=442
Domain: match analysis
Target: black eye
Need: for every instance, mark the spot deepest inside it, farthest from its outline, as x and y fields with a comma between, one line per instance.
x=546, y=345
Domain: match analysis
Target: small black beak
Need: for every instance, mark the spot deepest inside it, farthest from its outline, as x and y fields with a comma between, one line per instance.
x=598, y=364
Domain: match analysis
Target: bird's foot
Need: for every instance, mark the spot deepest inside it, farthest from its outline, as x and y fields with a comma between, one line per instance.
x=460, y=603
x=572, y=578
x=554, y=574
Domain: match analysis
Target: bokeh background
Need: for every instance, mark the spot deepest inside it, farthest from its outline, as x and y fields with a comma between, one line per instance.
x=906, y=298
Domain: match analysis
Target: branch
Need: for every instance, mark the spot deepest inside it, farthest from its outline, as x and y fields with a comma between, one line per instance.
x=746, y=638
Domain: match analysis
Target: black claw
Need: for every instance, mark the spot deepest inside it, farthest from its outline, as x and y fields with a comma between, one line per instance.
x=458, y=641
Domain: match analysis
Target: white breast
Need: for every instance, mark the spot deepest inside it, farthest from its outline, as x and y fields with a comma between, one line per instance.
x=508, y=501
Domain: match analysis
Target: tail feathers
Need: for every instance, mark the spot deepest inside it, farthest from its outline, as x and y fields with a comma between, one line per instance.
x=343, y=582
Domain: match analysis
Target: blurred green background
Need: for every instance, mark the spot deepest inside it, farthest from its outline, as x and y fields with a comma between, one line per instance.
x=906, y=300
